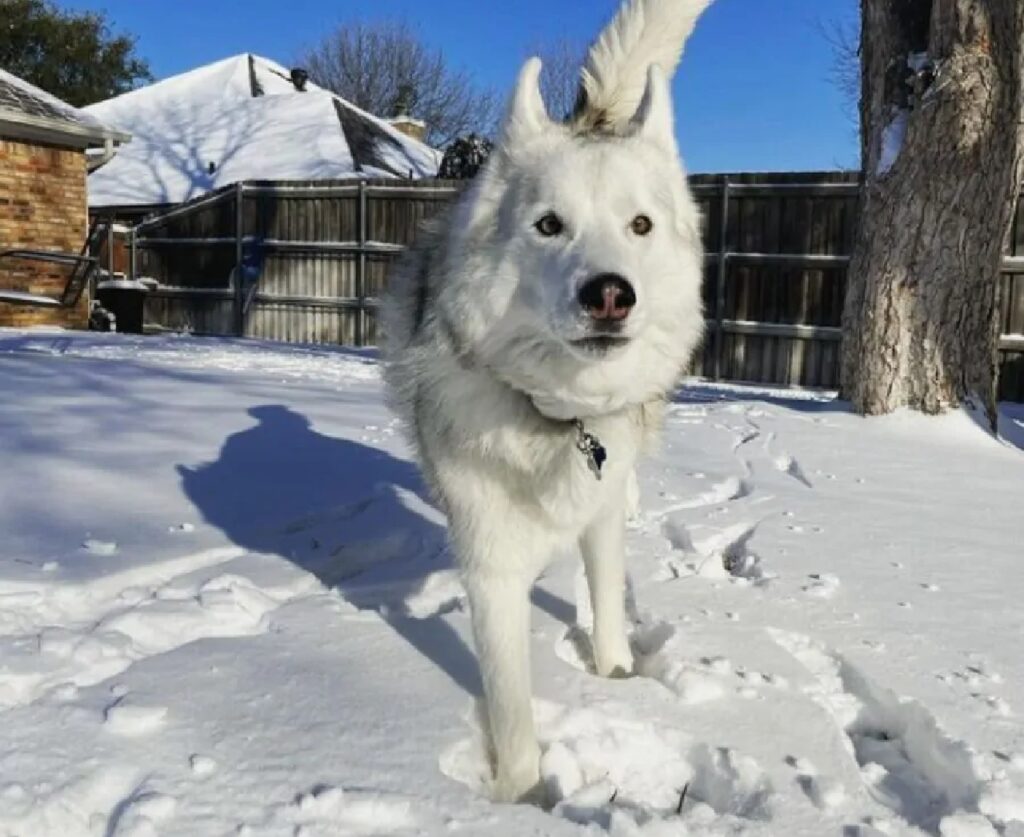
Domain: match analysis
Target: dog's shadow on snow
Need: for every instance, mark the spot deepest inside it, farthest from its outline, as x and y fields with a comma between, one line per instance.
x=351, y=514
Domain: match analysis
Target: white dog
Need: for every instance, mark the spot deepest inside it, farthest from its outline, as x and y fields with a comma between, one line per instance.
x=532, y=336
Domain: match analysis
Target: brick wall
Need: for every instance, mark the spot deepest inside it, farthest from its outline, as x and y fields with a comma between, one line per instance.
x=42, y=206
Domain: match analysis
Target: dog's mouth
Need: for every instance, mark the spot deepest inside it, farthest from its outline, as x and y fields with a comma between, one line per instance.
x=600, y=344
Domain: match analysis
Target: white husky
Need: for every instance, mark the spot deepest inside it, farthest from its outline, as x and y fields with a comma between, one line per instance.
x=532, y=336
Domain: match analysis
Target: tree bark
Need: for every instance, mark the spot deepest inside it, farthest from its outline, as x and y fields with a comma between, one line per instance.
x=920, y=324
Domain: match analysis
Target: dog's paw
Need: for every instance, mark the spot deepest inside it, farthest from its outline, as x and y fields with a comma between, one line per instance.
x=613, y=660
x=537, y=796
x=519, y=791
x=520, y=783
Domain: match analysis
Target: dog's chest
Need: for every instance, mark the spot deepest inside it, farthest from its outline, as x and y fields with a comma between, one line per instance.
x=574, y=480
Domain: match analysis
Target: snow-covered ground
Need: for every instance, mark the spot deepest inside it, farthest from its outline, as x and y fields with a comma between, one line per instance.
x=226, y=608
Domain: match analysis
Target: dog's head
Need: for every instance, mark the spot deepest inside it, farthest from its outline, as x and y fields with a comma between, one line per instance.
x=579, y=256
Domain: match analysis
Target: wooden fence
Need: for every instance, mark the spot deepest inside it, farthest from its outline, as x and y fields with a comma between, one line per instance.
x=304, y=262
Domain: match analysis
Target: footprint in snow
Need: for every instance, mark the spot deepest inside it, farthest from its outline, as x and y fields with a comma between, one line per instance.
x=823, y=586
x=334, y=810
x=127, y=719
x=141, y=812
x=980, y=682
x=907, y=761
x=717, y=553
x=730, y=783
x=202, y=765
x=978, y=673
x=599, y=766
x=691, y=681
x=996, y=704
x=788, y=465
x=98, y=547
x=727, y=490
x=760, y=679
x=1014, y=760
x=823, y=792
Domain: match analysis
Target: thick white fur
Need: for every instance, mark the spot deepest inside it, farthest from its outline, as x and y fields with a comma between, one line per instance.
x=644, y=32
x=479, y=321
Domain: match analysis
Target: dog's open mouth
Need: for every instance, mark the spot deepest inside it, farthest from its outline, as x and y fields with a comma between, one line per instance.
x=599, y=344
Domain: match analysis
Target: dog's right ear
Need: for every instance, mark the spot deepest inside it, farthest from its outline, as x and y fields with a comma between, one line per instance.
x=654, y=119
x=527, y=115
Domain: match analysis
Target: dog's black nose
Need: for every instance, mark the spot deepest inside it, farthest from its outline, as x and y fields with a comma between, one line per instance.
x=607, y=296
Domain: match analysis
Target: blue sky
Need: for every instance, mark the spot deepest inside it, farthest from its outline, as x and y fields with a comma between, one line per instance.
x=753, y=92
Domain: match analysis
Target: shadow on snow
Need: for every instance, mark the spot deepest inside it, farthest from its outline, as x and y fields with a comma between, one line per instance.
x=352, y=515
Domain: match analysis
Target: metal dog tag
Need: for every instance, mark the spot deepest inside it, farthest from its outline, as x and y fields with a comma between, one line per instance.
x=590, y=446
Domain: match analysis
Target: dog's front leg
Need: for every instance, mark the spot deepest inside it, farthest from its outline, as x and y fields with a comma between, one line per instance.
x=501, y=627
x=603, y=548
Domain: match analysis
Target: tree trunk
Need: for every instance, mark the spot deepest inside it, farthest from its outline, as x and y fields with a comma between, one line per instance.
x=942, y=148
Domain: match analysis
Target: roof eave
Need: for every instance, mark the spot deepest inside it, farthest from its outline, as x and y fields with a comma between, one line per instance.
x=19, y=125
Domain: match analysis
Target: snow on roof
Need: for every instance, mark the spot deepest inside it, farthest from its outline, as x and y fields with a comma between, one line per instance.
x=243, y=119
x=24, y=104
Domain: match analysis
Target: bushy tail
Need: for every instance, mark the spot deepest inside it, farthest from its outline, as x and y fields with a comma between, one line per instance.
x=614, y=76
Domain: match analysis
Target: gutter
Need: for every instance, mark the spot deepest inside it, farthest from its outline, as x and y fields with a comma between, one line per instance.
x=18, y=125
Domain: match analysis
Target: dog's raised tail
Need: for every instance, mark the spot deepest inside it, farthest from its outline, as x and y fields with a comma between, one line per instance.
x=614, y=75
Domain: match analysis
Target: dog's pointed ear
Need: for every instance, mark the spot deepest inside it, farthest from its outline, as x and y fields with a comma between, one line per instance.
x=654, y=119
x=526, y=113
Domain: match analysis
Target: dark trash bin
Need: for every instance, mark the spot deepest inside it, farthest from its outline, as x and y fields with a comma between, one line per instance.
x=125, y=299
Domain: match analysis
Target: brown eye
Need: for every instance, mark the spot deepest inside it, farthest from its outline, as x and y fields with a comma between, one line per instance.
x=641, y=225
x=549, y=225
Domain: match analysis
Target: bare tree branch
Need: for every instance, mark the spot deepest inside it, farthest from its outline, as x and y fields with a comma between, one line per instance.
x=843, y=36
x=376, y=66
x=560, y=76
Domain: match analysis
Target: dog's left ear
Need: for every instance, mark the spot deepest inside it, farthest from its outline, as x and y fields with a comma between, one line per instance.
x=527, y=115
x=654, y=119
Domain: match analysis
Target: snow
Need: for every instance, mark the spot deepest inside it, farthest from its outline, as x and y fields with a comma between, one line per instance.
x=181, y=125
x=917, y=61
x=27, y=298
x=125, y=285
x=226, y=607
x=893, y=135
x=61, y=108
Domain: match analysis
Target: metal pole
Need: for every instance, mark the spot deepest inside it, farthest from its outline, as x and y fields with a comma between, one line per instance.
x=239, y=286
x=360, y=329
x=723, y=257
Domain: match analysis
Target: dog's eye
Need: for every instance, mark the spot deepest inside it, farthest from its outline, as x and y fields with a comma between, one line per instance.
x=641, y=225
x=549, y=225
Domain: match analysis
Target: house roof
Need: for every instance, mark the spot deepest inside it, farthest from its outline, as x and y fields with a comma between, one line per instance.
x=243, y=119
x=27, y=112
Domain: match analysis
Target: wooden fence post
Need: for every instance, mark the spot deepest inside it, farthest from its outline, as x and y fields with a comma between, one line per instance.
x=361, y=218
x=723, y=264
x=133, y=267
x=239, y=283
